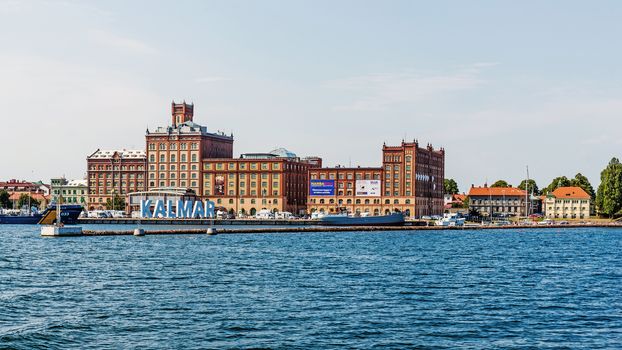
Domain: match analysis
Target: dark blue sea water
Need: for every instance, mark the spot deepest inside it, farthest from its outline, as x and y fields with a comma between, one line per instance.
x=534, y=289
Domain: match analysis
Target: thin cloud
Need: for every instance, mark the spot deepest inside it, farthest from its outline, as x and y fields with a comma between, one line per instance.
x=379, y=91
x=210, y=79
x=124, y=43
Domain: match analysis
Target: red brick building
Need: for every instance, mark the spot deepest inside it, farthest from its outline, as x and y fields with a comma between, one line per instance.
x=175, y=152
x=410, y=181
x=114, y=173
x=258, y=181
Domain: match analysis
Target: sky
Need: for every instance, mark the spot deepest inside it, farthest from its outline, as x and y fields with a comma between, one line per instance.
x=501, y=85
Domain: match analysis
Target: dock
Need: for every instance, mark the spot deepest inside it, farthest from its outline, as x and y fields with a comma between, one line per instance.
x=310, y=229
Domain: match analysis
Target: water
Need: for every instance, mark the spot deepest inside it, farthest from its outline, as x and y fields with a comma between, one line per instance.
x=539, y=289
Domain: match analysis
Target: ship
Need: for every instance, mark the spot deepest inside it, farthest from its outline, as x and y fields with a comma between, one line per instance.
x=395, y=219
x=69, y=214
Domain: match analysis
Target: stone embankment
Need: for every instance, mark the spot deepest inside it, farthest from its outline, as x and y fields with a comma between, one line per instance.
x=306, y=229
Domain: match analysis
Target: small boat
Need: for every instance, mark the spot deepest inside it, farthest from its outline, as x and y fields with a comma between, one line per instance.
x=69, y=214
x=395, y=219
x=450, y=219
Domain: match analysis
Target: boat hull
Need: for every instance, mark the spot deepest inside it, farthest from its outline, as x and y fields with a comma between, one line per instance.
x=386, y=220
x=69, y=216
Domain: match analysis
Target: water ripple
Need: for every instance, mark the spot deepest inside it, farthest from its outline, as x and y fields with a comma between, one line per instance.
x=524, y=289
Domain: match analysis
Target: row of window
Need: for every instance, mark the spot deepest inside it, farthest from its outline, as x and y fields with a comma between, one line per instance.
x=567, y=208
x=356, y=201
x=242, y=166
x=116, y=176
x=173, y=167
x=116, y=167
x=131, y=184
x=173, y=158
x=173, y=146
x=172, y=175
x=252, y=201
x=496, y=202
x=342, y=176
x=70, y=191
x=243, y=176
x=173, y=184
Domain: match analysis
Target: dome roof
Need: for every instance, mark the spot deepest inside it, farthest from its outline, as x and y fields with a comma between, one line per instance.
x=283, y=153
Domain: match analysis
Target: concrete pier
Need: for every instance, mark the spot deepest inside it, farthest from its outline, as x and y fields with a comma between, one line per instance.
x=64, y=231
x=308, y=229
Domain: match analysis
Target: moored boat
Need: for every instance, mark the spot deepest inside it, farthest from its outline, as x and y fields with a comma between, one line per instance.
x=395, y=219
x=450, y=219
x=69, y=215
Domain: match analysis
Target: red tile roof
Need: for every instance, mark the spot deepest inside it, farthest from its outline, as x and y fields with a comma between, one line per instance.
x=38, y=196
x=571, y=192
x=496, y=191
x=459, y=197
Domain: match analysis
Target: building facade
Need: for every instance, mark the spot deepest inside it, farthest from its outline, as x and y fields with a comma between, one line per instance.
x=567, y=203
x=409, y=181
x=276, y=181
x=13, y=185
x=112, y=173
x=175, y=152
x=497, y=201
x=71, y=192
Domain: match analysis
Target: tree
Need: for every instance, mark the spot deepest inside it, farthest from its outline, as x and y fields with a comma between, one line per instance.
x=450, y=186
x=5, y=202
x=609, y=194
x=117, y=203
x=560, y=181
x=501, y=183
x=582, y=181
x=533, y=187
x=25, y=200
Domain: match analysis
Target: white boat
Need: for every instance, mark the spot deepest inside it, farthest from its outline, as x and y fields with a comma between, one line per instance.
x=450, y=219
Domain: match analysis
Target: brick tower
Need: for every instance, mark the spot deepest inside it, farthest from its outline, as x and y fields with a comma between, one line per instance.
x=181, y=113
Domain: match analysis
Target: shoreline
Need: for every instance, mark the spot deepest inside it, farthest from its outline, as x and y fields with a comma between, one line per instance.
x=312, y=229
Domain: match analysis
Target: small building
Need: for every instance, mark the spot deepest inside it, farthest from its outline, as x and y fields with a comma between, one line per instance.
x=567, y=203
x=43, y=200
x=454, y=200
x=497, y=201
x=23, y=187
x=71, y=192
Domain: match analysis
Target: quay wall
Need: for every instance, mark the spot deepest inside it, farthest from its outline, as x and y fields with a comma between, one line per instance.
x=305, y=229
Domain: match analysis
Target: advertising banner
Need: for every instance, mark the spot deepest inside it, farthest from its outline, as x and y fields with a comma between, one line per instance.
x=219, y=185
x=368, y=188
x=322, y=188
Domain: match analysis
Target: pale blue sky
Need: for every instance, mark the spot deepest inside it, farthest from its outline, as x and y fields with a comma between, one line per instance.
x=499, y=84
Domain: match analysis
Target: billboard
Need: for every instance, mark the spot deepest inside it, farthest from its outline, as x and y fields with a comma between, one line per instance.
x=322, y=188
x=219, y=185
x=368, y=188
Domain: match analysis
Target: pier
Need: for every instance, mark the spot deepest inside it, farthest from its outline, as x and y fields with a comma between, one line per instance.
x=310, y=229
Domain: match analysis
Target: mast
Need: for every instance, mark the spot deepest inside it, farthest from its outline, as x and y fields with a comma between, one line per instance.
x=58, y=209
x=527, y=194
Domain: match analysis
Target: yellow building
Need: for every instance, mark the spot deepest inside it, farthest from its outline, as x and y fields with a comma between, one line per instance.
x=567, y=203
x=275, y=181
